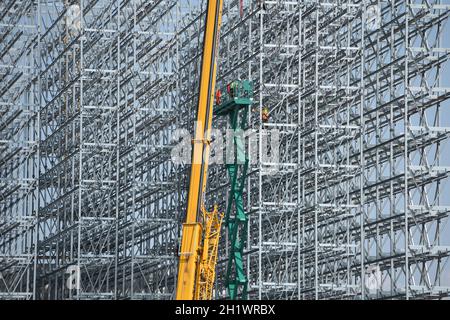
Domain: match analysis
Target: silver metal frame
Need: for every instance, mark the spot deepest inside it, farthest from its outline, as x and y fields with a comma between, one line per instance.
x=86, y=130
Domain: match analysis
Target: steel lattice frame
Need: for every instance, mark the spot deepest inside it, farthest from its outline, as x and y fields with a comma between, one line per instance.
x=86, y=128
x=108, y=189
x=354, y=190
x=19, y=104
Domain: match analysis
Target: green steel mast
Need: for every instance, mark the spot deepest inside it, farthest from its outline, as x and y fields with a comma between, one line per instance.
x=235, y=102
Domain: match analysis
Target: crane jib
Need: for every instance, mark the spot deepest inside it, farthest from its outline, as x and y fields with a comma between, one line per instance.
x=193, y=230
x=211, y=85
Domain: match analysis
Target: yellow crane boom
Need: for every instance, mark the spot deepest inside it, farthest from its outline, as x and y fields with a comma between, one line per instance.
x=200, y=233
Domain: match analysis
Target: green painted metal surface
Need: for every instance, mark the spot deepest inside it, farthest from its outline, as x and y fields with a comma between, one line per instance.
x=234, y=104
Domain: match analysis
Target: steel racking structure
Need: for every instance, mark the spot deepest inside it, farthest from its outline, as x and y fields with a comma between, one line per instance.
x=19, y=123
x=108, y=189
x=350, y=203
x=359, y=93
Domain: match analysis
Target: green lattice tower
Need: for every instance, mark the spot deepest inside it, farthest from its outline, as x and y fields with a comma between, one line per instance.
x=235, y=104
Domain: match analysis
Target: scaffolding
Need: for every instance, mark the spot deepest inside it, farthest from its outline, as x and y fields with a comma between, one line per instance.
x=19, y=105
x=350, y=204
x=354, y=207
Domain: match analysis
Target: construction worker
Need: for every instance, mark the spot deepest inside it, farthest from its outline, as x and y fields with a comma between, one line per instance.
x=262, y=4
x=218, y=97
x=265, y=114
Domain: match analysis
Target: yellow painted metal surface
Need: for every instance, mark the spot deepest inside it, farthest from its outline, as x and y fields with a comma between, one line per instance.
x=192, y=236
x=189, y=258
x=206, y=275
